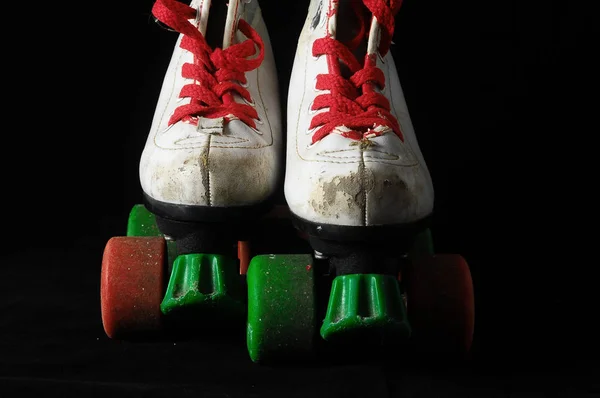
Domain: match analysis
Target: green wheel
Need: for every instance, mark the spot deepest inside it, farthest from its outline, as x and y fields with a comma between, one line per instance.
x=282, y=322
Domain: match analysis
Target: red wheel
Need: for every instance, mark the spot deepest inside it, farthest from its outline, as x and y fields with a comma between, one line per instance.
x=440, y=304
x=132, y=285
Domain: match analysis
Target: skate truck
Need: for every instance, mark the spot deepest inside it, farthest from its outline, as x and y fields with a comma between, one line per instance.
x=348, y=259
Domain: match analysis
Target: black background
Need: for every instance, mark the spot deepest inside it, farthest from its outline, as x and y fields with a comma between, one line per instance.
x=501, y=98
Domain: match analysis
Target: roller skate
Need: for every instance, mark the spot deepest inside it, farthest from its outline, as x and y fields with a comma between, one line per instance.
x=359, y=191
x=210, y=168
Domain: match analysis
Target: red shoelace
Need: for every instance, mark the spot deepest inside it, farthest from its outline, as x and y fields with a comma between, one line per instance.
x=220, y=73
x=353, y=102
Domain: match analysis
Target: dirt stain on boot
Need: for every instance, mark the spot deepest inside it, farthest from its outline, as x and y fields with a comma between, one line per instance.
x=204, y=170
x=344, y=195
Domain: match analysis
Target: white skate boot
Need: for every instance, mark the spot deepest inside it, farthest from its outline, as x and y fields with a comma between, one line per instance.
x=356, y=182
x=213, y=152
x=211, y=165
x=354, y=166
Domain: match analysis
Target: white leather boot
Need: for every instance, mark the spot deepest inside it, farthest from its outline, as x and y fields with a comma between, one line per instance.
x=214, y=148
x=354, y=166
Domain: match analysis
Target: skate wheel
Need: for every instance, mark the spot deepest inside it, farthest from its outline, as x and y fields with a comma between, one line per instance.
x=282, y=321
x=132, y=285
x=440, y=304
x=141, y=222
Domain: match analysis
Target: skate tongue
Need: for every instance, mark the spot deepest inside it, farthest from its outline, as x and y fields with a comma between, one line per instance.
x=349, y=32
x=378, y=39
x=202, y=17
x=353, y=36
x=233, y=15
x=211, y=125
x=374, y=38
x=333, y=18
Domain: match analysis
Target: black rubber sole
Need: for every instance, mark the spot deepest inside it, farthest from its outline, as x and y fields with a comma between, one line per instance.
x=207, y=214
x=362, y=249
x=375, y=233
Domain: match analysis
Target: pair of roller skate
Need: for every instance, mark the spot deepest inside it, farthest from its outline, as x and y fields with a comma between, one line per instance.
x=355, y=183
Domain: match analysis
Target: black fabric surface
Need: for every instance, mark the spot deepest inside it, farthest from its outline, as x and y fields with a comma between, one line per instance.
x=498, y=93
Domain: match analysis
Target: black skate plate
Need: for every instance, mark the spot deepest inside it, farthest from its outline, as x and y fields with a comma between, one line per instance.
x=359, y=233
x=208, y=214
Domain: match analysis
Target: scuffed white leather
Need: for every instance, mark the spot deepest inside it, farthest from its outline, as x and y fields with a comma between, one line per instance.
x=187, y=165
x=335, y=181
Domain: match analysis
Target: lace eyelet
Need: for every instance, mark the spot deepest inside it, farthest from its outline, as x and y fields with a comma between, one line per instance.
x=258, y=122
x=252, y=104
x=311, y=131
x=314, y=86
x=166, y=129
